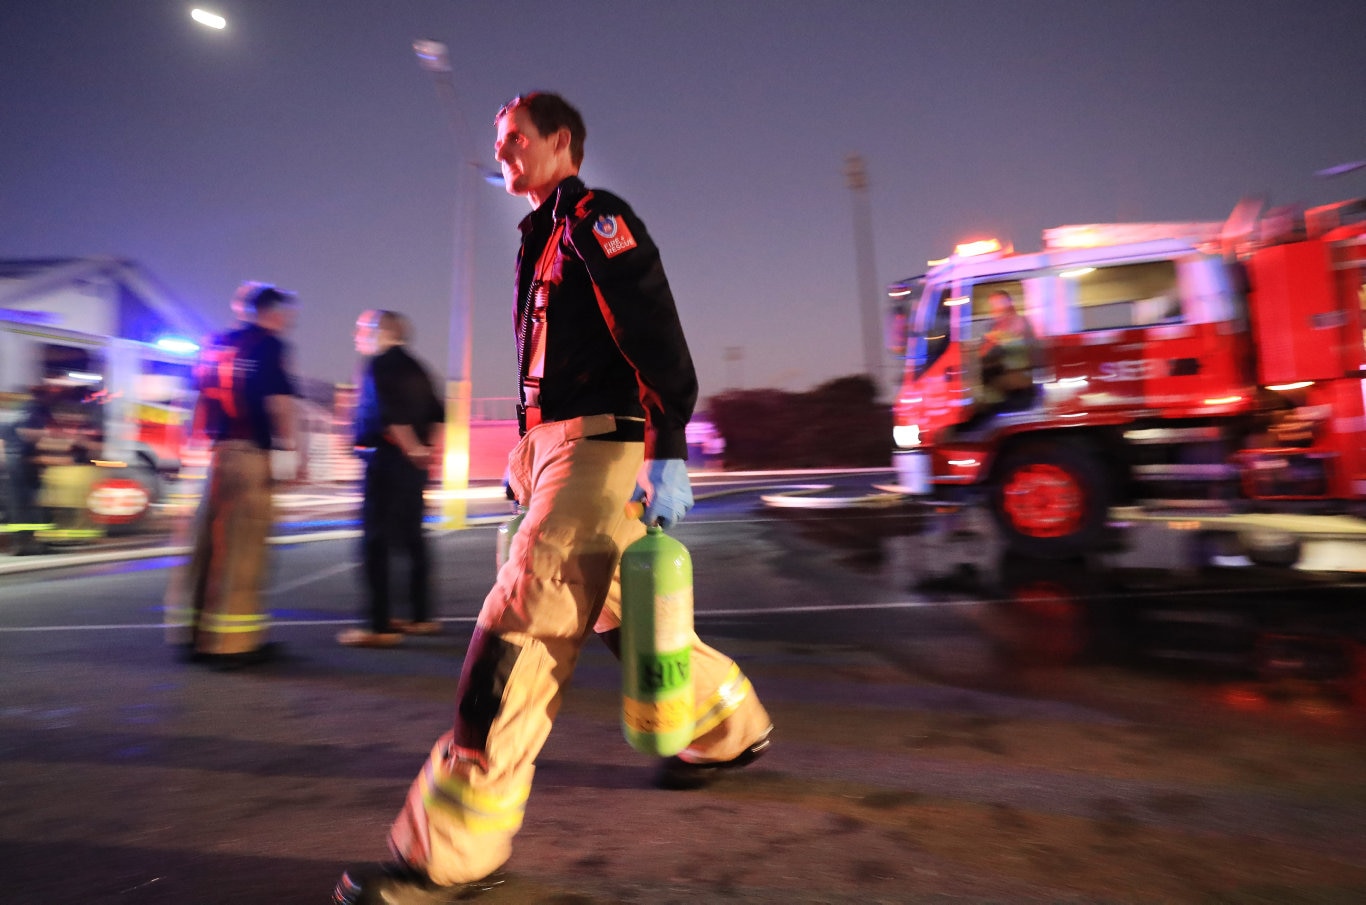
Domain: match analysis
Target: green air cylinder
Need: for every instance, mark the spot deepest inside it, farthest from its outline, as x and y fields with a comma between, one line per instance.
x=506, y=532
x=656, y=644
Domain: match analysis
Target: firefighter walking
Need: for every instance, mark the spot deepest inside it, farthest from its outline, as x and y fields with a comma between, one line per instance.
x=607, y=388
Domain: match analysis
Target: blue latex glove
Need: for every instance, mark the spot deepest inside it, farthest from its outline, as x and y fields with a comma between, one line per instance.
x=664, y=486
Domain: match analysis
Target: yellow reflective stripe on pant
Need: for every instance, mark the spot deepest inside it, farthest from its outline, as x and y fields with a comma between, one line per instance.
x=233, y=624
x=478, y=812
x=723, y=703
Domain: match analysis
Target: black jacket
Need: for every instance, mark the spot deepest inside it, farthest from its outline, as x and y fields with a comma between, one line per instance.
x=396, y=389
x=613, y=342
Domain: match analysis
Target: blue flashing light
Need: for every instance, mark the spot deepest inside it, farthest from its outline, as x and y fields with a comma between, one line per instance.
x=177, y=345
x=33, y=318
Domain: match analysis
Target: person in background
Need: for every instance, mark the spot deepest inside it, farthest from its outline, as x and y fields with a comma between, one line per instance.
x=246, y=409
x=396, y=414
x=66, y=451
x=24, y=468
x=607, y=388
x=1008, y=354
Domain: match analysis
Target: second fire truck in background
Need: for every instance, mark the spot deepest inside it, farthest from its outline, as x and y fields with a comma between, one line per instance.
x=1214, y=365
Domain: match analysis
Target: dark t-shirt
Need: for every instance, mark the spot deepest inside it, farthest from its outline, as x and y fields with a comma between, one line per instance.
x=237, y=372
x=396, y=390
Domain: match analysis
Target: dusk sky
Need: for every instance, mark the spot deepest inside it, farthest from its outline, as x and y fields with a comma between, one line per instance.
x=303, y=145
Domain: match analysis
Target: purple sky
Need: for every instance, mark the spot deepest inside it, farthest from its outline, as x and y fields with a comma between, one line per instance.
x=304, y=146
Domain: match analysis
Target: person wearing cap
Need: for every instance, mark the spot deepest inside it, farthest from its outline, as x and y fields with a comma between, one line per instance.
x=245, y=410
x=396, y=416
x=607, y=388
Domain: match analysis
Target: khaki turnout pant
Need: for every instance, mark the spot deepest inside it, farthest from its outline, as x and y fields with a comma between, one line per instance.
x=560, y=581
x=215, y=600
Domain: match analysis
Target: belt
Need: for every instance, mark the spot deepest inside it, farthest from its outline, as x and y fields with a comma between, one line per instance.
x=627, y=430
x=238, y=443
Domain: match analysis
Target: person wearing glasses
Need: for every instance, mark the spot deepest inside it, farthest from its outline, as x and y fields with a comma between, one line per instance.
x=607, y=387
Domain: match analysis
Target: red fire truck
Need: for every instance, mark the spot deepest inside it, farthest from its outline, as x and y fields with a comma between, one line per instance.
x=1194, y=364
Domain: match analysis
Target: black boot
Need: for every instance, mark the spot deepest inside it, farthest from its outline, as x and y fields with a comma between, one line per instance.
x=677, y=773
x=398, y=884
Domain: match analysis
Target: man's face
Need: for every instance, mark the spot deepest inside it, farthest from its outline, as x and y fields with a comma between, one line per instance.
x=367, y=333
x=532, y=163
x=279, y=319
x=1001, y=306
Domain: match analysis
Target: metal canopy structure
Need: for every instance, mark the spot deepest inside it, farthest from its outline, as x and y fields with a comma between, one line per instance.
x=98, y=295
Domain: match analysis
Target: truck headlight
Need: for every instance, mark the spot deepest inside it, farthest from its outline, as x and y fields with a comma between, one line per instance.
x=907, y=436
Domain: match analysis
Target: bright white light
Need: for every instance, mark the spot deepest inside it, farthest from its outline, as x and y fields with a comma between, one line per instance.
x=956, y=301
x=1282, y=387
x=1079, y=272
x=493, y=492
x=177, y=345
x=907, y=436
x=84, y=376
x=212, y=20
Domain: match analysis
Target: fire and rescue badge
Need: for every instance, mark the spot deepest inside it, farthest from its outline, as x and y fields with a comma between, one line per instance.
x=613, y=235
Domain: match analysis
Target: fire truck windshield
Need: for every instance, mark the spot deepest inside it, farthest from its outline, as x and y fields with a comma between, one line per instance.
x=929, y=335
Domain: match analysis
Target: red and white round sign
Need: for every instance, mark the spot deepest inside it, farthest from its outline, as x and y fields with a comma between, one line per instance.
x=117, y=500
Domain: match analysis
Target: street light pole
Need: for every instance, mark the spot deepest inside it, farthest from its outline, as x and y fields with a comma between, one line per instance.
x=455, y=465
x=856, y=175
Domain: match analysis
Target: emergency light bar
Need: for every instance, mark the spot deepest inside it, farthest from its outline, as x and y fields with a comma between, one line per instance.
x=177, y=345
x=977, y=248
x=1097, y=235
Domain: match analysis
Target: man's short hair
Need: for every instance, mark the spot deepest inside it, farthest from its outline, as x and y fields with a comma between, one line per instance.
x=257, y=298
x=549, y=114
x=395, y=324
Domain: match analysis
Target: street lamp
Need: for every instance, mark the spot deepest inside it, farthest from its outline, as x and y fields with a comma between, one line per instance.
x=208, y=19
x=455, y=466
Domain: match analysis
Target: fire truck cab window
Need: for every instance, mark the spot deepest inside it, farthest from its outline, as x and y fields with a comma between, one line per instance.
x=1123, y=296
x=72, y=365
x=981, y=302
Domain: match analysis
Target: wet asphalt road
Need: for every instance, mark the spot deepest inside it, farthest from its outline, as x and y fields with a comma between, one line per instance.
x=950, y=727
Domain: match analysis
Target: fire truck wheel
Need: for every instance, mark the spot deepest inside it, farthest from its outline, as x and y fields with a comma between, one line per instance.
x=1051, y=499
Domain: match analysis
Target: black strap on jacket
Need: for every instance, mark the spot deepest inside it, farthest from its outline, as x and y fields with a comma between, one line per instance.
x=532, y=347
